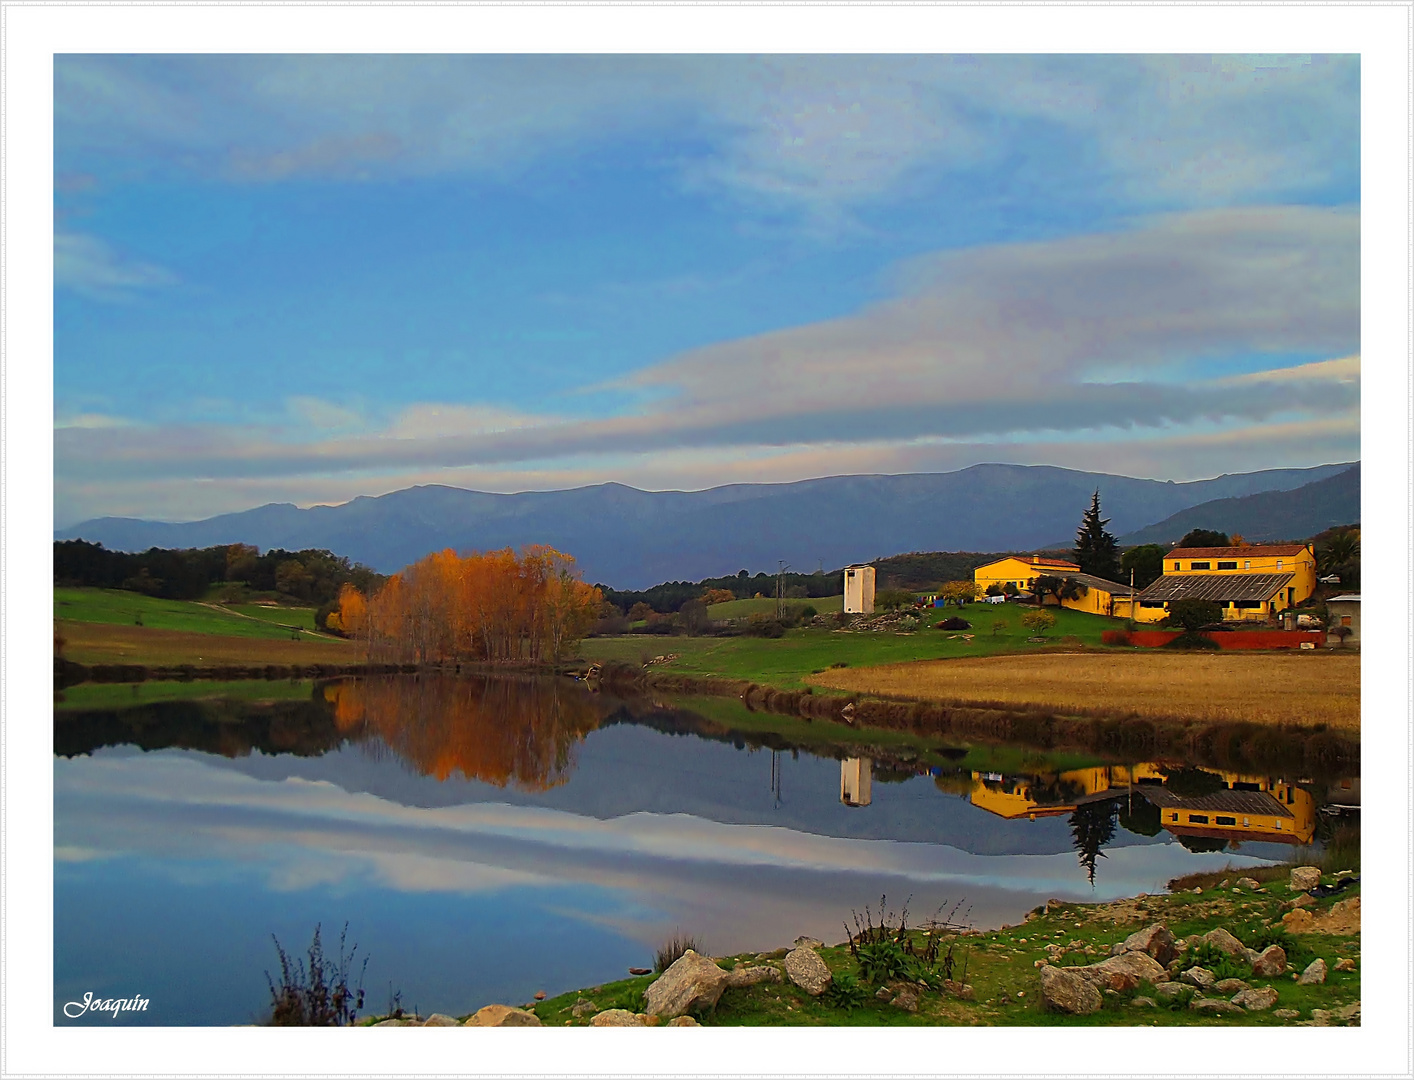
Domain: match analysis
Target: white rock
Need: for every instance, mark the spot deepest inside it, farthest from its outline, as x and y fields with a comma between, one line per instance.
x=692, y=982
x=805, y=968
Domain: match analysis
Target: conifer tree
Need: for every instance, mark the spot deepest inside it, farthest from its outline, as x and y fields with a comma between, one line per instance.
x=1096, y=550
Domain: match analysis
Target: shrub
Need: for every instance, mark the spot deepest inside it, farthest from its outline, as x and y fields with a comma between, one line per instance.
x=1000, y=626
x=317, y=995
x=883, y=961
x=808, y=612
x=1207, y=955
x=672, y=951
x=1193, y=615
x=767, y=628
x=955, y=623
x=846, y=993
x=1038, y=622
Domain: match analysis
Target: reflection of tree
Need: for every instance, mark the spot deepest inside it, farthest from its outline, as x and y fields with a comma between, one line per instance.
x=1199, y=844
x=1053, y=790
x=1092, y=826
x=1193, y=783
x=1138, y=815
x=501, y=731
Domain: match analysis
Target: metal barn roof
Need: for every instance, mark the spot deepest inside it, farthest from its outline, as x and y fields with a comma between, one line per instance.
x=1219, y=588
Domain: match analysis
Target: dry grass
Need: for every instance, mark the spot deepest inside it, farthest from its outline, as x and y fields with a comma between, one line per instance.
x=1264, y=688
x=106, y=643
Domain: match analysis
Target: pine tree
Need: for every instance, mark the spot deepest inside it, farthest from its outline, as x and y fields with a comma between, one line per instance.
x=1096, y=550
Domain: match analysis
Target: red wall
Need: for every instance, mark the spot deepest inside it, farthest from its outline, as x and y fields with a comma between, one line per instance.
x=1236, y=639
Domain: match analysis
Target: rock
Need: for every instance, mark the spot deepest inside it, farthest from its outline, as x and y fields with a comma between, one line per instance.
x=640, y=971
x=1315, y=973
x=1304, y=900
x=502, y=1016
x=805, y=968
x=750, y=976
x=1270, y=962
x=1215, y=1007
x=1248, y=883
x=540, y=995
x=649, y=1020
x=1345, y=964
x=1224, y=942
x=1256, y=999
x=616, y=1018
x=1123, y=972
x=442, y=1020
x=1197, y=891
x=391, y=1023
x=1144, y=1003
x=583, y=1008
x=1286, y=1014
x=1154, y=941
x=683, y=1021
x=1200, y=977
x=905, y=997
x=1304, y=878
x=1348, y=1012
x=1064, y=991
x=1229, y=986
x=804, y=942
x=692, y=982
x=1320, y=1018
x=884, y=994
x=1297, y=920
x=959, y=990
x=1170, y=990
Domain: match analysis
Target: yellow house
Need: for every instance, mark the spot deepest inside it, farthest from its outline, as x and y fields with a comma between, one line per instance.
x=1020, y=571
x=1249, y=583
x=1101, y=597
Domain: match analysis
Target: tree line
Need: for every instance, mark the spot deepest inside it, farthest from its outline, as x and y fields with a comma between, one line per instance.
x=313, y=576
x=495, y=606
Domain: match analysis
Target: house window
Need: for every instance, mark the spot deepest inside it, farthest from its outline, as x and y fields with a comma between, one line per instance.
x=1175, y=566
x=1175, y=815
x=1247, y=564
x=1281, y=564
x=1151, y=603
x=1345, y=620
x=1278, y=823
x=1228, y=565
x=1198, y=819
x=1202, y=566
x=1225, y=820
x=1247, y=603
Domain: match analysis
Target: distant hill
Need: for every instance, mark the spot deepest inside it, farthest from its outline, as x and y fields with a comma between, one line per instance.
x=632, y=539
x=1270, y=515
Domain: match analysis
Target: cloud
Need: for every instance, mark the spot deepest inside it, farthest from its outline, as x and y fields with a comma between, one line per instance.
x=815, y=134
x=91, y=268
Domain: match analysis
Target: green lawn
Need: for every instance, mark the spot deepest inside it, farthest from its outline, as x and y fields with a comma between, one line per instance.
x=785, y=662
x=766, y=605
x=118, y=607
x=125, y=695
x=285, y=616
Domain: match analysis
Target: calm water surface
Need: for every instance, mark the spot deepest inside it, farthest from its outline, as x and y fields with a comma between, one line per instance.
x=485, y=839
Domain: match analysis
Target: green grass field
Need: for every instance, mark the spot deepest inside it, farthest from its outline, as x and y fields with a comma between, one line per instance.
x=786, y=662
x=766, y=605
x=120, y=608
x=126, y=695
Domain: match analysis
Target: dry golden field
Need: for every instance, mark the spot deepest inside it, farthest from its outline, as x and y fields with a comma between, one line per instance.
x=107, y=643
x=1269, y=688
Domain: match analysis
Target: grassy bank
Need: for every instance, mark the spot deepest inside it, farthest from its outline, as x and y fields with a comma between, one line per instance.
x=94, y=643
x=1305, y=689
x=1001, y=967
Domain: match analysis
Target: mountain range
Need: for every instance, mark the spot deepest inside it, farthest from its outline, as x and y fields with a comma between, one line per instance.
x=630, y=539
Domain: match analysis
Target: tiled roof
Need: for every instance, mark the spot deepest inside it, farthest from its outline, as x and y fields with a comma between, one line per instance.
x=1250, y=551
x=1219, y=588
x=1226, y=801
x=1029, y=560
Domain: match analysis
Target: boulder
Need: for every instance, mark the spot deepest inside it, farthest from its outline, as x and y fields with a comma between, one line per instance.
x=1286, y=1014
x=692, y=982
x=582, y=1008
x=749, y=976
x=884, y=994
x=1215, y=1007
x=1305, y=877
x=1229, y=986
x=1345, y=964
x=616, y=1018
x=1224, y=942
x=391, y=1023
x=1170, y=990
x=1248, y=883
x=1320, y=1018
x=959, y=989
x=502, y=1016
x=1256, y=999
x=805, y=968
x=1144, y=1003
x=1200, y=977
x=1123, y=972
x=804, y=942
x=1315, y=973
x=905, y=997
x=1154, y=941
x=1062, y=990
x=1270, y=962
x=682, y=1021
x=1349, y=1012
x=1297, y=920
x=442, y=1020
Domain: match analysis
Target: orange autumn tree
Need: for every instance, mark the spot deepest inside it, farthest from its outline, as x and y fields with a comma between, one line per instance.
x=495, y=606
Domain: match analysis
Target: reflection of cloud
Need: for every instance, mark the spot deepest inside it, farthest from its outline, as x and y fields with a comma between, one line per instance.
x=90, y=267
x=732, y=880
x=1052, y=316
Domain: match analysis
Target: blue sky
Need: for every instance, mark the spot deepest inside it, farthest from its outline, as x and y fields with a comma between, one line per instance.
x=308, y=278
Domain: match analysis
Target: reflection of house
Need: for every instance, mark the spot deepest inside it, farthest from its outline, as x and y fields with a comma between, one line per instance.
x=856, y=781
x=1020, y=572
x=1249, y=583
x=1055, y=794
x=1344, y=611
x=859, y=589
x=1284, y=813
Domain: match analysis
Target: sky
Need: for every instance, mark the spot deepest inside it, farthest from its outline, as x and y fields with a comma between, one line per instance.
x=306, y=278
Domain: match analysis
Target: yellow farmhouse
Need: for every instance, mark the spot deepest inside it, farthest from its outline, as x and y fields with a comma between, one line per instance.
x=1249, y=583
x=1101, y=597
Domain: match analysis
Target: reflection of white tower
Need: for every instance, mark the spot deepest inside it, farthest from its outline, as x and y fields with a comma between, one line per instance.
x=856, y=781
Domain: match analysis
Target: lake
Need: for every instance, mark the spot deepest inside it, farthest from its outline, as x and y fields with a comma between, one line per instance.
x=485, y=838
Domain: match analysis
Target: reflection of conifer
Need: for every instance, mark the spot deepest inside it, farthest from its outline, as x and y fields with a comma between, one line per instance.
x=1092, y=826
